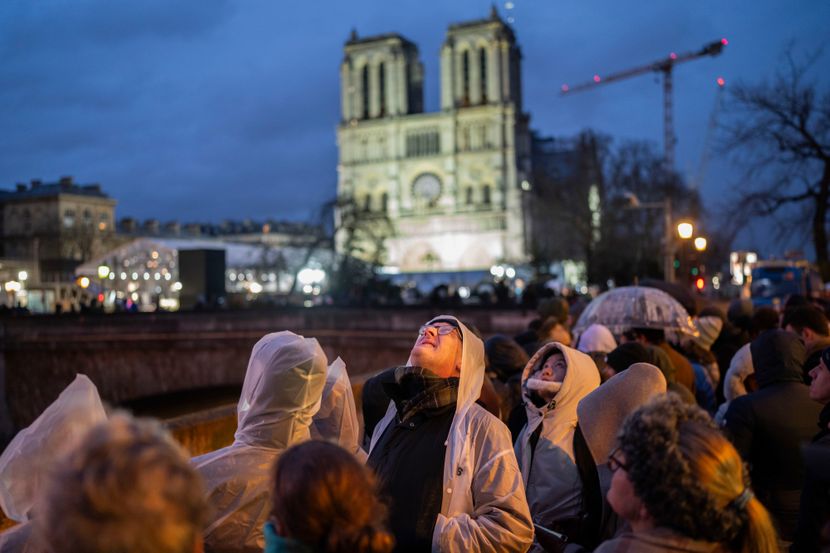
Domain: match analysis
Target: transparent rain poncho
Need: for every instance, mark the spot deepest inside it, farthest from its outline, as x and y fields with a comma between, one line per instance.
x=336, y=421
x=30, y=455
x=483, y=505
x=281, y=393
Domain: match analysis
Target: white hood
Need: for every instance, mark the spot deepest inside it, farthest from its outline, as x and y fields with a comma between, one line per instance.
x=336, y=421
x=31, y=454
x=552, y=479
x=281, y=393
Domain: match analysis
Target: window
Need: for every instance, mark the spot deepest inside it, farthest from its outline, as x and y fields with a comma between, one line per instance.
x=465, y=78
x=384, y=202
x=482, y=61
x=69, y=218
x=423, y=143
x=382, y=86
x=87, y=217
x=367, y=203
x=469, y=195
x=364, y=90
x=485, y=194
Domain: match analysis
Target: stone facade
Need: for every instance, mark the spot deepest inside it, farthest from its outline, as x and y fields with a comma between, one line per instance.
x=453, y=183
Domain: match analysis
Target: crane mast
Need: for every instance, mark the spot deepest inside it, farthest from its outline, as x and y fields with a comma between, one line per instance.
x=664, y=66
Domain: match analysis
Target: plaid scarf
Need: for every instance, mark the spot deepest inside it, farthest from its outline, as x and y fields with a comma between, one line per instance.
x=417, y=390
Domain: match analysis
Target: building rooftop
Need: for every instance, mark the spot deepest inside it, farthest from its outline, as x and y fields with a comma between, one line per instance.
x=39, y=189
x=355, y=40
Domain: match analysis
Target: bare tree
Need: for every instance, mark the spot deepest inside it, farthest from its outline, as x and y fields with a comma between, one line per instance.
x=779, y=131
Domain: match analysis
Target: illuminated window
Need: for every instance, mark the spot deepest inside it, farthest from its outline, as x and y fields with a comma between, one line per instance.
x=69, y=218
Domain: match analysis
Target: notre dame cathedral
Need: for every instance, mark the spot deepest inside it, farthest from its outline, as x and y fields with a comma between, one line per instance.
x=453, y=183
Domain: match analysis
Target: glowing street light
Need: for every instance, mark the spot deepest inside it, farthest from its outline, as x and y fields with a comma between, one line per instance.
x=103, y=271
x=685, y=230
x=700, y=244
x=22, y=276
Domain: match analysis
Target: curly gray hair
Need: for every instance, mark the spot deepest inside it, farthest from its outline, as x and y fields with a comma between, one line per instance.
x=127, y=487
x=685, y=471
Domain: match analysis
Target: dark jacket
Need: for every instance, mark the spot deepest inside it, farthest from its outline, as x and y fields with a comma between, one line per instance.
x=815, y=497
x=769, y=426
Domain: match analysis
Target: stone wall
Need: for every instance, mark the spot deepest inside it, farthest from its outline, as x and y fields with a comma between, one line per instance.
x=135, y=356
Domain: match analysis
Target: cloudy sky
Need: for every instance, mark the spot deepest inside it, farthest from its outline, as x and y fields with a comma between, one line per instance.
x=213, y=109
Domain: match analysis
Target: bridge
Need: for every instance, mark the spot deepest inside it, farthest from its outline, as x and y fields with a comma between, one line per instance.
x=188, y=368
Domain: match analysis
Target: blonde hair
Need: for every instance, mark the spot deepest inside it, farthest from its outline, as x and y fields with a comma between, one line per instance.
x=718, y=468
x=690, y=477
x=128, y=488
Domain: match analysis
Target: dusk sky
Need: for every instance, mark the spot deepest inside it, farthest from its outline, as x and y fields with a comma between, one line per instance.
x=204, y=110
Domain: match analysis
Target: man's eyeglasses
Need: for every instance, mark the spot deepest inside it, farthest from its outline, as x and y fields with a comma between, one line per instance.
x=441, y=330
x=614, y=463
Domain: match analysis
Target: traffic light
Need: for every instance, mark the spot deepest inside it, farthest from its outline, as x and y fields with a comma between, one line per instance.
x=699, y=284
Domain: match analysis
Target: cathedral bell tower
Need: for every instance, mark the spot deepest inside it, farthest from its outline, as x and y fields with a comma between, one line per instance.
x=380, y=76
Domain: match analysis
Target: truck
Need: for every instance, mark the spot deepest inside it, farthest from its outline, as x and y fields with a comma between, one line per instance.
x=773, y=281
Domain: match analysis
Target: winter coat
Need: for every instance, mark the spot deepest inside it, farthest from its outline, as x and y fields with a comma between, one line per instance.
x=281, y=393
x=601, y=414
x=549, y=471
x=658, y=540
x=336, y=421
x=769, y=426
x=814, y=510
x=483, y=505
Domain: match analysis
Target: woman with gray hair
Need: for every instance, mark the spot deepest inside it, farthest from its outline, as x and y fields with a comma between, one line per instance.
x=127, y=487
x=681, y=486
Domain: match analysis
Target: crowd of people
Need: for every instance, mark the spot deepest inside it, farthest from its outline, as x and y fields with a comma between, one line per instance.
x=546, y=441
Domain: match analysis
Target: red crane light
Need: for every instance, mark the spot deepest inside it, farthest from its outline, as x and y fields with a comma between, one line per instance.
x=597, y=78
x=673, y=56
x=724, y=41
x=565, y=88
x=721, y=81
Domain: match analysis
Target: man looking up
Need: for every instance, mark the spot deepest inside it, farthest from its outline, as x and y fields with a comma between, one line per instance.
x=446, y=464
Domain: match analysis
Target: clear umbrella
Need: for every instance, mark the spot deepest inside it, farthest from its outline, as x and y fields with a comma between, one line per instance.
x=636, y=307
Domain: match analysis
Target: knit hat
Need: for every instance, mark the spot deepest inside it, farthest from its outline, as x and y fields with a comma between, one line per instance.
x=596, y=338
x=626, y=355
x=708, y=329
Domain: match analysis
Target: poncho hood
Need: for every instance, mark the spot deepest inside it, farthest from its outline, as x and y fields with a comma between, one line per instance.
x=282, y=389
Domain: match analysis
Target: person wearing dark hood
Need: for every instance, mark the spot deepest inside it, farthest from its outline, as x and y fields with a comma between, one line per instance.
x=684, y=374
x=444, y=462
x=812, y=326
x=768, y=426
x=815, y=496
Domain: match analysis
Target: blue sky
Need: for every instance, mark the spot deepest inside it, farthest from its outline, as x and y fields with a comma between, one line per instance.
x=213, y=109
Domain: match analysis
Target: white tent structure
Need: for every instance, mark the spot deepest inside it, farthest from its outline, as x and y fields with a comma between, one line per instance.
x=144, y=271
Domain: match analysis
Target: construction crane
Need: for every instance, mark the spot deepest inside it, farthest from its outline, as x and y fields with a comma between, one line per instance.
x=664, y=66
x=705, y=152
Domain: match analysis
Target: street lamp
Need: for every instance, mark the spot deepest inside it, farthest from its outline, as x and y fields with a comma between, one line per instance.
x=685, y=230
x=700, y=244
x=668, y=238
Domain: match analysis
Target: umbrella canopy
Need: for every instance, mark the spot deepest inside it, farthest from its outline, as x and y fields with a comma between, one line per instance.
x=636, y=307
x=679, y=292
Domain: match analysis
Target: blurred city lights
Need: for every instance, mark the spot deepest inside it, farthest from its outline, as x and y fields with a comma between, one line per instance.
x=700, y=243
x=685, y=230
x=22, y=276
